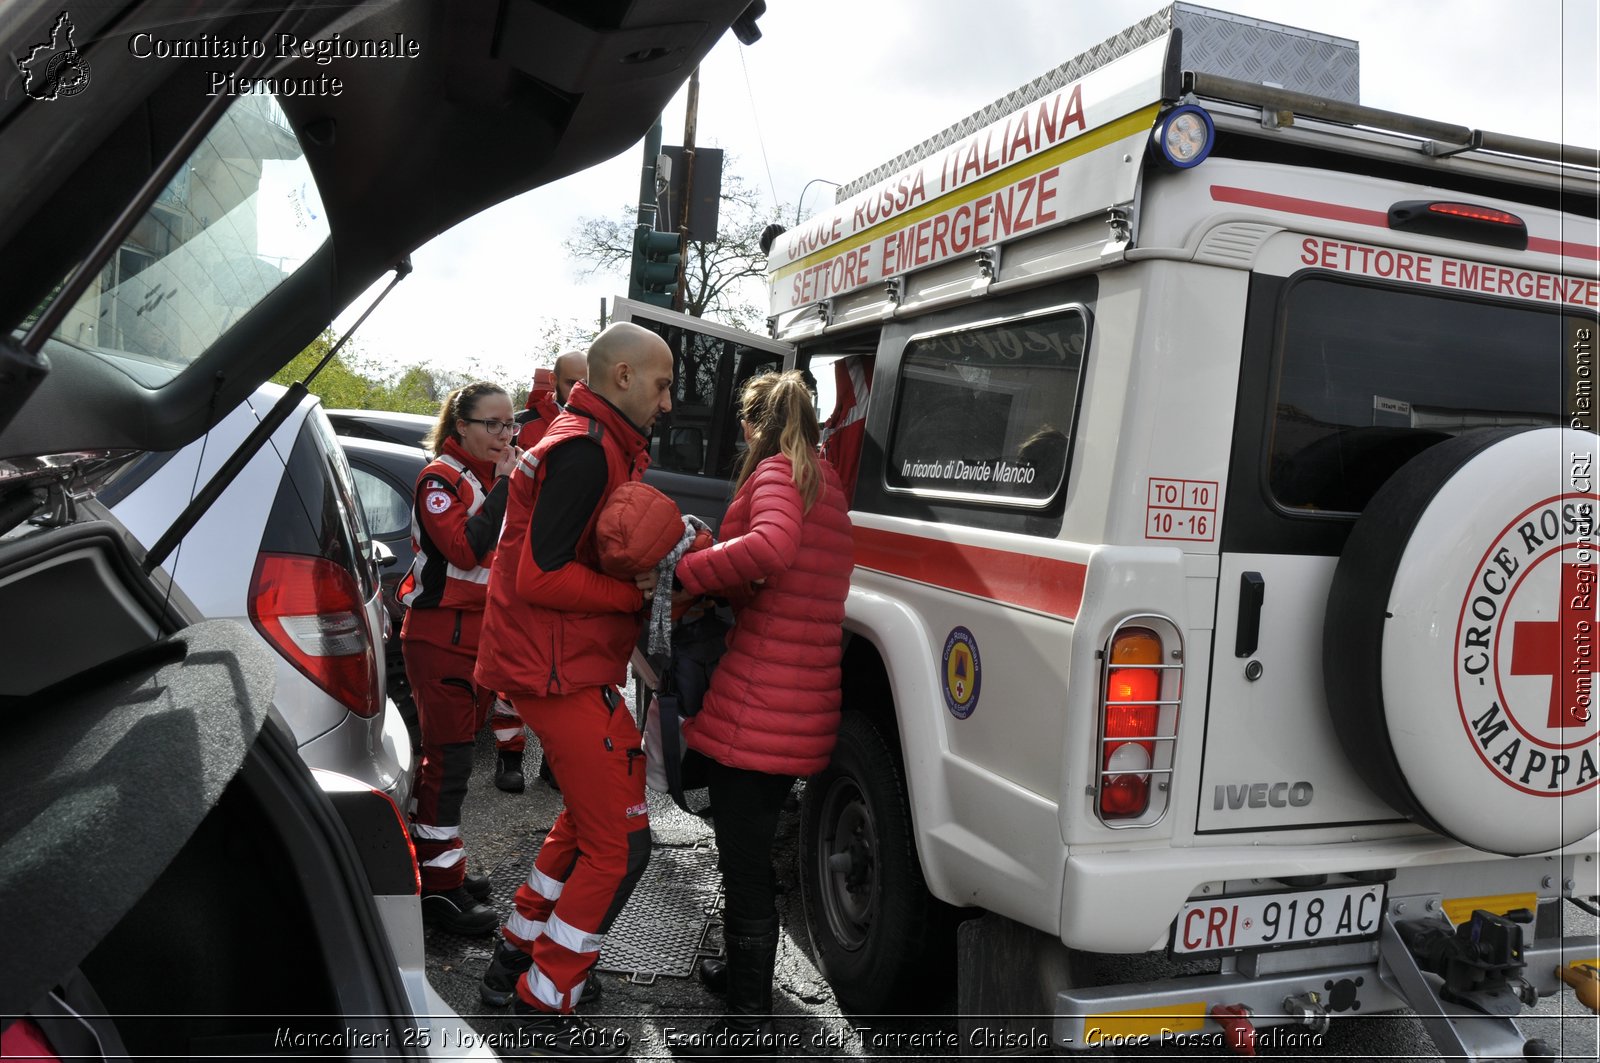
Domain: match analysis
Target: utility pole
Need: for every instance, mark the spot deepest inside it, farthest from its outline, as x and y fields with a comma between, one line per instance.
x=646, y=220
x=690, y=117
x=655, y=267
x=647, y=177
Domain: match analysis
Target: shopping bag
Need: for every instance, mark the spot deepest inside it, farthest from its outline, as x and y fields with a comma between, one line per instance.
x=671, y=767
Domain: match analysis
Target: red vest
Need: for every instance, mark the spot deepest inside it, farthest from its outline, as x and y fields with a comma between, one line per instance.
x=531, y=649
x=434, y=580
x=544, y=410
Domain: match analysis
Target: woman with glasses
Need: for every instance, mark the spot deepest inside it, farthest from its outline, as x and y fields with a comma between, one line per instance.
x=455, y=523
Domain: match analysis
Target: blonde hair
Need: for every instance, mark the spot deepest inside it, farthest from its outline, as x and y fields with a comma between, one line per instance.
x=457, y=405
x=782, y=415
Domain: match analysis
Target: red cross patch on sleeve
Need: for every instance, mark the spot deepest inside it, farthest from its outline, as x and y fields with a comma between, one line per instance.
x=437, y=501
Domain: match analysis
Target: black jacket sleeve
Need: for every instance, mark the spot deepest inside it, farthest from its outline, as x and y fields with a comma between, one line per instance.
x=483, y=527
x=574, y=480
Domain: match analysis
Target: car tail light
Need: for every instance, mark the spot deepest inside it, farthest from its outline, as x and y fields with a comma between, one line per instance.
x=1137, y=724
x=311, y=611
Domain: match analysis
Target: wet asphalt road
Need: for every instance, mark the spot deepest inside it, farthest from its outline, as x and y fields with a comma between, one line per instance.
x=502, y=832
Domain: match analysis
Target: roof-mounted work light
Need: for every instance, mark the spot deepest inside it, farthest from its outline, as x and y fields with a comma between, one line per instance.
x=1183, y=137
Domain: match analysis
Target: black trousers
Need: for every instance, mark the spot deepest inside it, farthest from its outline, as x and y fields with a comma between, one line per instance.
x=744, y=813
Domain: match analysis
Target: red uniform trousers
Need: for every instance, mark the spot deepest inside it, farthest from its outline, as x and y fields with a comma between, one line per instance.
x=510, y=736
x=451, y=709
x=595, y=853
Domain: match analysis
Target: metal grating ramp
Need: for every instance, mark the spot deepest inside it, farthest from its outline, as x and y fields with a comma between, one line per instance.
x=667, y=922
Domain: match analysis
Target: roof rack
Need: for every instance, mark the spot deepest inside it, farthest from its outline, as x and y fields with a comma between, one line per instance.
x=1438, y=138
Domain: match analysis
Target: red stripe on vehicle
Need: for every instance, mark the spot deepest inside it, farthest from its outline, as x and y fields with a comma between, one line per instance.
x=1562, y=248
x=1041, y=583
x=1295, y=205
x=1376, y=218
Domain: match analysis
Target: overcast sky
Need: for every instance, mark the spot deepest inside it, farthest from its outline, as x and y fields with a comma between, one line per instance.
x=836, y=87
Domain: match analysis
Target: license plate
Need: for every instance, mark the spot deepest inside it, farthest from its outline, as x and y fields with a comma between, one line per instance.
x=1264, y=920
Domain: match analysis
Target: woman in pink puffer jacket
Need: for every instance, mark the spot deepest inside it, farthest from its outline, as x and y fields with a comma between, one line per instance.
x=772, y=712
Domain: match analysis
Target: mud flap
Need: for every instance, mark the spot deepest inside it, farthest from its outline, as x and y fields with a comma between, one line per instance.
x=1007, y=978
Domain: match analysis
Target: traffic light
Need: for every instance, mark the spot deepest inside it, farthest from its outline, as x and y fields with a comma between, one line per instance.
x=655, y=266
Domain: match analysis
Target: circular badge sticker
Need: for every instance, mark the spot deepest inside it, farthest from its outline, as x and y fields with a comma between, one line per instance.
x=437, y=501
x=1525, y=650
x=963, y=673
x=1485, y=640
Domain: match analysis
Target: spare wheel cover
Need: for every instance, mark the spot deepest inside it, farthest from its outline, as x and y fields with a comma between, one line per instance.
x=1460, y=640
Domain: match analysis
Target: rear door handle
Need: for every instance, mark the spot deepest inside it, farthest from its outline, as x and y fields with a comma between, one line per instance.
x=1252, y=592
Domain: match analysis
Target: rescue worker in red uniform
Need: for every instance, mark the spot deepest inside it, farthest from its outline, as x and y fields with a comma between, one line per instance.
x=548, y=396
x=546, y=399
x=557, y=638
x=455, y=524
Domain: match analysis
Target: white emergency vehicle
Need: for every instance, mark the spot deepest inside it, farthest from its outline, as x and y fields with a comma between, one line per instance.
x=1224, y=493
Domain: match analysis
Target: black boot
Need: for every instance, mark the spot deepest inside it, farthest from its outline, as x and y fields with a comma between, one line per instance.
x=509, y=775
x=458, y=912
x=713, y=974
x=478, y=884
x=499, y=985
x=536, y=1034
x=747, y=1028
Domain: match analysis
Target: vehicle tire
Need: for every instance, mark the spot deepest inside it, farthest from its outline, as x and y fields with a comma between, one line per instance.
x=1458, y=643
x=867, y=909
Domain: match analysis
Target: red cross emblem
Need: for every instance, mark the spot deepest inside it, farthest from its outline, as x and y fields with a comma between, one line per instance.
x=1540, y=647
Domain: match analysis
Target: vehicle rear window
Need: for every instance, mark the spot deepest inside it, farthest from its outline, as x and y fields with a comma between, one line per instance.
x=1368, y=377
x=316, y=511
x=987, y=413
x=240, y=215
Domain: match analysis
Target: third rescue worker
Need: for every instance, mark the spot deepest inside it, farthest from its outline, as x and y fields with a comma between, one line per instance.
x=556, y=639
x=546, y=400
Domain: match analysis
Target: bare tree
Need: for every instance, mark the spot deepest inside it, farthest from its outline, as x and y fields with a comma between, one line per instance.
x=718, y=274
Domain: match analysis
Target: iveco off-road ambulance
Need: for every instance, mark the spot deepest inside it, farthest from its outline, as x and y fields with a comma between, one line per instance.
x=1224, y=480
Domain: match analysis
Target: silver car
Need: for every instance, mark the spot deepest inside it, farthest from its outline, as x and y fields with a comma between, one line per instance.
x=285, y=550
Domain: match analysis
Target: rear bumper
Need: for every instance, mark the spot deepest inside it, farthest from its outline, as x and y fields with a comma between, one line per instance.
x=1342, y=979
x=1146, y=888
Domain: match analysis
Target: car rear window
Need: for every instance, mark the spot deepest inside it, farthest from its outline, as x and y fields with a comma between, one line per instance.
x=1367, y=377
x=317, y=512
x=239, y=216
x=987, y=413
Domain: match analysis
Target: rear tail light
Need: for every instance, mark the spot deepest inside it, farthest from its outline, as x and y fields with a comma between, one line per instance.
x=310, y=610
x=1137, y=724
x=1132, y=689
